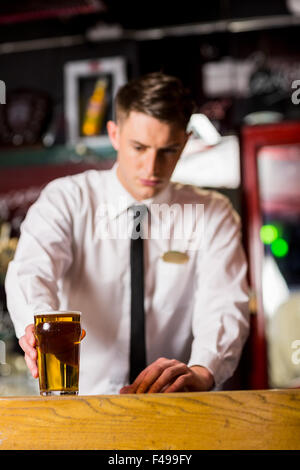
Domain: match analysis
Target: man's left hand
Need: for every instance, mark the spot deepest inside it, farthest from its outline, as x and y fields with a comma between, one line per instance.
x=169, y=376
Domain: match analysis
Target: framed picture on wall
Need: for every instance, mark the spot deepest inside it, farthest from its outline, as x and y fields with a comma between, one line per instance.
x=90, y=88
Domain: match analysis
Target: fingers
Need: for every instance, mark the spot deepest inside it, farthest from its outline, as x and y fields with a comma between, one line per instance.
x=28, y=343
x=164, y=381
x=180, y=385
x=32, y=366
x=169, y=376
x=159, y=377
x=134, y=386
x=126, y=389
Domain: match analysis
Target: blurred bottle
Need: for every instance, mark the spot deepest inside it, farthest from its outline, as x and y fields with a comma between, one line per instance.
x=93, y=120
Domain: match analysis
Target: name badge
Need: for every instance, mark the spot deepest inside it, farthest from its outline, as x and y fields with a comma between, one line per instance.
x=176, y=257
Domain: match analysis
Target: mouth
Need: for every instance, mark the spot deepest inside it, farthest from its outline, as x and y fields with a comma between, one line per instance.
x=152, y=182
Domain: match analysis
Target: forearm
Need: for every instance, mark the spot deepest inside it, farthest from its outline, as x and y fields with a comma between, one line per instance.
x=26, y=294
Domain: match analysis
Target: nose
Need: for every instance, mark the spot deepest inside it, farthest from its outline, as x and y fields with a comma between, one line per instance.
x=151, y=163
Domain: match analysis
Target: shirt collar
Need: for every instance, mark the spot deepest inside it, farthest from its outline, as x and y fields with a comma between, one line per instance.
x=121, y=199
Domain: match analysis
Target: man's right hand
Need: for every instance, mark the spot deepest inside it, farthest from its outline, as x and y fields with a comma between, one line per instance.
x=28, y=343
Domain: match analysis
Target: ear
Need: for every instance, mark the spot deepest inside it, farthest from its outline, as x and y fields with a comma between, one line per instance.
x=113, y=133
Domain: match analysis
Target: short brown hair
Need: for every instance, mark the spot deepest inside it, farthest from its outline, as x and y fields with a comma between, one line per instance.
x=158, y=95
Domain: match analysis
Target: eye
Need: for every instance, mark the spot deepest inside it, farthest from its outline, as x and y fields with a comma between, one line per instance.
x=169, y=152
x=138, y=148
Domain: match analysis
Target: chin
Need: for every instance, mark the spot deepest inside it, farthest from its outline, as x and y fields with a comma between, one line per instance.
x=140, y=195
x=148, y=193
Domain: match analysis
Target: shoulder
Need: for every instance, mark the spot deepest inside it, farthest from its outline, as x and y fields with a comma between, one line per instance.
x=212, y=200
x=216, y=211
x=76, y=188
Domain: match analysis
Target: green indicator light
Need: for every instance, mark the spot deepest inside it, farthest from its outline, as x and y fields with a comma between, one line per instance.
x=279, y=248
x=268, y=234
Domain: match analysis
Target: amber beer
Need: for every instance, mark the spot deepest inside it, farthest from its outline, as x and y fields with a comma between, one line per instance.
x=58, y=336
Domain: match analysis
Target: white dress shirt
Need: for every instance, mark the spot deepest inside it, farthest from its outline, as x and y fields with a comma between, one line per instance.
x=196, y=312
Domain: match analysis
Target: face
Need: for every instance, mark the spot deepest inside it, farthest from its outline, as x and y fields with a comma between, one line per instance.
x=147, y=152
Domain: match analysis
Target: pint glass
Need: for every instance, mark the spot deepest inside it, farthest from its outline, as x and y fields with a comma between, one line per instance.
x=58, y=335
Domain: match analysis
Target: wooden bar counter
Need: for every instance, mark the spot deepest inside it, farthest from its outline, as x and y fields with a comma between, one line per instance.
x=260, y=420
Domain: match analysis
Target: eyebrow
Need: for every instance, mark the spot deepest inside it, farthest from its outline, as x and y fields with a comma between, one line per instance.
x=172, y=145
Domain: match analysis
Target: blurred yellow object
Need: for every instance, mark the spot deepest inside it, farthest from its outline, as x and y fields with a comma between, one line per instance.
x=93, y=120
x=7, y=251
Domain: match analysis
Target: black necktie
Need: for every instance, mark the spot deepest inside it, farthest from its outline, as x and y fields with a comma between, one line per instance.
x=137, y=331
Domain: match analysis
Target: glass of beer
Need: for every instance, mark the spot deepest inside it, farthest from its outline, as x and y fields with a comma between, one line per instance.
x=58, y=335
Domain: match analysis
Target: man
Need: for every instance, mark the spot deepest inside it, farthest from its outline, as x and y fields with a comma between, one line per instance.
x=196, y=316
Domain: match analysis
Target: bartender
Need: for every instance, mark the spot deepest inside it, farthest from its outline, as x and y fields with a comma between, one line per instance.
x=162, y=313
